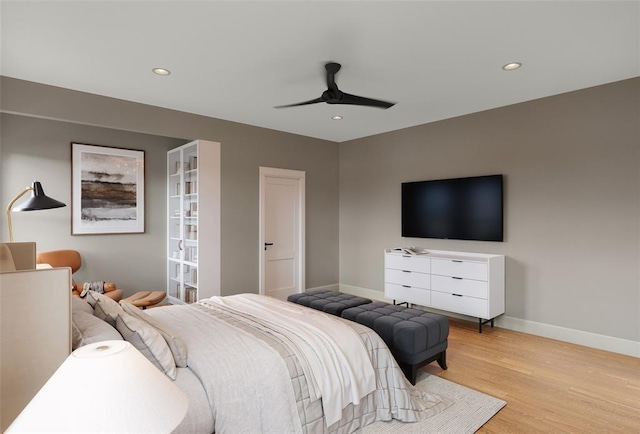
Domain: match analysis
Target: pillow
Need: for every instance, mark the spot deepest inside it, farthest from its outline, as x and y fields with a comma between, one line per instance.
x=91, y=298
x=148, y=341
x=176, y=344
x=80, y=305
x=87, y=329
x=106, y=308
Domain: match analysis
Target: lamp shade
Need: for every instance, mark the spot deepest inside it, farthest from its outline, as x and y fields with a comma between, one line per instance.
x=38, y=200
x=104, y=387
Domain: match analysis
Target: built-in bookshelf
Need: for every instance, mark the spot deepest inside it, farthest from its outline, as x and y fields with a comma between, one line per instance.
x=193, y=221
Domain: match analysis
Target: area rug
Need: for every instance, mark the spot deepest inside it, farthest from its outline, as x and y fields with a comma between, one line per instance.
x=470, y=410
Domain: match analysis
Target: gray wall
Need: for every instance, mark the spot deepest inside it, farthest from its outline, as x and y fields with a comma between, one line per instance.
x=243, y=149
x=572, y=176
x=38, y=148
x=571, y=165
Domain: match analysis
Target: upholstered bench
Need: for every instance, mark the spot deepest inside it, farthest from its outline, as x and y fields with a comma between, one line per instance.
x=415, y=337
x=328, y=301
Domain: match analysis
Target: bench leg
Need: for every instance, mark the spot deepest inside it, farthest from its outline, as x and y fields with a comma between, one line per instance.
x=410, y=371
x=442, y=360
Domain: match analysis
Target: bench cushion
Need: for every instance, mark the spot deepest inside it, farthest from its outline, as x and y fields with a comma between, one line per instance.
x=328, y=301
x=412, y=335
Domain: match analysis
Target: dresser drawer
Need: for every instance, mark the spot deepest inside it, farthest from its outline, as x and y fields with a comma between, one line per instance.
x=410, y=278
x=458, y=285
x=407, y=293
x=456, y=268
x=408, y=262
x=461, y=304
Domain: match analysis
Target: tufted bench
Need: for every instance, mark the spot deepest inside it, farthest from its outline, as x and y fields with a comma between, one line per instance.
x=328, y=301
x=415, y=337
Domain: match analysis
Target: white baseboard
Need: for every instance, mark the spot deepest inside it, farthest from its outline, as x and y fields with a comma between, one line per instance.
x=579, y=337
x=335, y=287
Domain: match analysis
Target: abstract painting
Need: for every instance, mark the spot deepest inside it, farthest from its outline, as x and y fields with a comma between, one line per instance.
x=108, y=190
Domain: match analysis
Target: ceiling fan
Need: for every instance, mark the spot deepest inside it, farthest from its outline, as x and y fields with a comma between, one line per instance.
x=333, y=95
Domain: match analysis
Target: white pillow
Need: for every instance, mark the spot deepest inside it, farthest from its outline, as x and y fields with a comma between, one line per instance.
x=106, y=308
x=87, y=329
x=176, y=344
x=148, y=341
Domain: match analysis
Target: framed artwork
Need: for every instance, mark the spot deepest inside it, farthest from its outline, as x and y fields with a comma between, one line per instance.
x=107, y=186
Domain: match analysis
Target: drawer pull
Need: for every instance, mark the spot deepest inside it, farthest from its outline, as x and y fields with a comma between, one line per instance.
x=456, y=260
x=406, y=256
x=457, y=295
x=457, y=278
x=406, y=286
x=406, y=271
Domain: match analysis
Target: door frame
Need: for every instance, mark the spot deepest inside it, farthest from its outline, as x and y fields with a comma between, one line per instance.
x=299, y=176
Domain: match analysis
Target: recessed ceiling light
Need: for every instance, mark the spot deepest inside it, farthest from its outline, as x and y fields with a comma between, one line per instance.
x=336, y=118
x=511, y=66
x=161, y=71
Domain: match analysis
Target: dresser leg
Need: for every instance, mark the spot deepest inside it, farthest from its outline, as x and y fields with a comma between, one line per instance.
x=481, y=323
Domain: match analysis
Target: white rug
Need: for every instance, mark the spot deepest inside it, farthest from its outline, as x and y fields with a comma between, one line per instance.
x=470, y=410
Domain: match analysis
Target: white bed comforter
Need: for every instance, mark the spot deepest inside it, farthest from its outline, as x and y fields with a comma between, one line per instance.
x=334, y=359
x=255, y=380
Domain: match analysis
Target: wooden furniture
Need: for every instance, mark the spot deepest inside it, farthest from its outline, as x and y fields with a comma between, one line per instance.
x=465, y=283
x=193, y=221
x=145, y=299
x=73, y=260
x=35, y=319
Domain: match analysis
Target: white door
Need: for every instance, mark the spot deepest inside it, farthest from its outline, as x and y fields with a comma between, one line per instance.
x=281, y=232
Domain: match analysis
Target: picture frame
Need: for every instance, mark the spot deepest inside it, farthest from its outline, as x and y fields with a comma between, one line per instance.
x=107, y=187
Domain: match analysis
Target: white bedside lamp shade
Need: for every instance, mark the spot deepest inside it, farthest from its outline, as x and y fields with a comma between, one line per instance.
x=105, y=387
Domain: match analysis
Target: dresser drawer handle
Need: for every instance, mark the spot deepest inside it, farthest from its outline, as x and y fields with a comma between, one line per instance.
x=457, y=278
x=456, y=260
x=406, y=256
x=406, y=271
x=457, y=295
x=406, y=286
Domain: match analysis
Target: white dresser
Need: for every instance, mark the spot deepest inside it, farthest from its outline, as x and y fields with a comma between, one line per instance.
x=465, y=283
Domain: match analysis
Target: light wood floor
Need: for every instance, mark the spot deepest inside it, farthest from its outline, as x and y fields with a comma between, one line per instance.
x=549, y=386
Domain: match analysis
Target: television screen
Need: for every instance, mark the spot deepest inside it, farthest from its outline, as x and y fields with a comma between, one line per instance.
x=461, y=209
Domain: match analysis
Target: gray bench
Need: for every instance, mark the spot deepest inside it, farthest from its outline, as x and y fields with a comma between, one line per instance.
x=328, y=301
x=415, y=337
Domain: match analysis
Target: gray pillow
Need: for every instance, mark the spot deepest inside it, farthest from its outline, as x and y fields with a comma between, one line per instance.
x=80, y=305
x=87, y=329
x=176, y=344
x=148, y=341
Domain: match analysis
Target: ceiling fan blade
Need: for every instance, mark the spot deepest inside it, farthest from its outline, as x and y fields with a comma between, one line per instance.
x=311, y=101
x=360, y=100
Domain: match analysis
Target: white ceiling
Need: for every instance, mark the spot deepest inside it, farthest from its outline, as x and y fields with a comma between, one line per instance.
x=237, y=60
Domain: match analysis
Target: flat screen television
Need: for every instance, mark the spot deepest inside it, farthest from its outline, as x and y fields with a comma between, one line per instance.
x=460, y=209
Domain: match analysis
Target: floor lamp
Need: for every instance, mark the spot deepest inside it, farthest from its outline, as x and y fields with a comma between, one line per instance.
x=38, y=201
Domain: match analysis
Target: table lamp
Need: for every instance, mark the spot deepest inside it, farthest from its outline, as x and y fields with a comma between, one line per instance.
x=38, y=201
x=104, y=387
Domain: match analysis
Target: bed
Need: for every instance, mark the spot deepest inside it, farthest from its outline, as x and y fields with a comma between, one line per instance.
x=253, y=364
